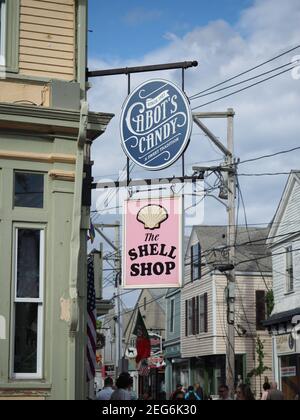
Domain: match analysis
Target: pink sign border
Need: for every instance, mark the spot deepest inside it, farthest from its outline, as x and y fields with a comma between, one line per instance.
x=180, y=241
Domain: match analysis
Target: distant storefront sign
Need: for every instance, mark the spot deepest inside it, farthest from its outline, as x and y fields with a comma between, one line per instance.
x=152, y=256
x=286, y=344
x=156, y=344
x=109, y=370
x=156, y=362
x=289, y=372
x=156, y=124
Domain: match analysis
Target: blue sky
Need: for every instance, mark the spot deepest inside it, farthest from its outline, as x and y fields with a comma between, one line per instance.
x=226, y=37
x=128, y=29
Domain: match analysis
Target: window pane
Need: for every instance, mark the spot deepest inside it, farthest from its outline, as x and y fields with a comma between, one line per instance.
x=28, y=263
x=290, y=269
x=202, y=314
x=29, y=190
x=196, y=262
x=191, y=317
x=25, y=360
x=172, y=316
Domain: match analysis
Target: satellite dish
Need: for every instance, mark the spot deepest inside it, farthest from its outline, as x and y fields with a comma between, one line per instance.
x=131, y=353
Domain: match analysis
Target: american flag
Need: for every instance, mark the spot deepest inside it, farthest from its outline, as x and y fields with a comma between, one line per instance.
x=144, y=369
x=91, y=322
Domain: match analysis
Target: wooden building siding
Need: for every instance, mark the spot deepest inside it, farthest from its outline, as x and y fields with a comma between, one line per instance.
x=246, y=287
x=200, y=344
x=283, y=300
x=290, y=220
x=287, y=221
x=47, y=39
x=177, y=317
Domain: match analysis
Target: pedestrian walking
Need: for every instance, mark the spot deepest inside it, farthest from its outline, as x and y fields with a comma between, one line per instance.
x=244, y=393
x=224, y=393
x=192, y=395
x=107, y=391
x=179, y=388
x=124, y=384
x=180, y=395
x=266, y=390
x=199, y=391
x=275, y=394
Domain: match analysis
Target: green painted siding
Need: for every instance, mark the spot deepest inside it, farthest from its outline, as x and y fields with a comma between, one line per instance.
x=56, y=218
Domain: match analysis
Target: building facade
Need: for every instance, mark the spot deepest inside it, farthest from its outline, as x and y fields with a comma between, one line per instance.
x=177, y=368
x=204, y=307
x=284, y=242
x=152, y=305
x=46, y=132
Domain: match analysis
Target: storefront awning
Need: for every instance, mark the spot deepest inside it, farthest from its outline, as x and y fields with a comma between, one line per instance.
x=282, y=317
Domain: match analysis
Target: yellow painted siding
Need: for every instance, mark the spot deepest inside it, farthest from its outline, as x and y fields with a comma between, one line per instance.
x=24, y=93
x=47, y=38
x=246, y=318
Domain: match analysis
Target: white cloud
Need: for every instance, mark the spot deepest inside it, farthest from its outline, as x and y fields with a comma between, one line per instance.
x=267, y=116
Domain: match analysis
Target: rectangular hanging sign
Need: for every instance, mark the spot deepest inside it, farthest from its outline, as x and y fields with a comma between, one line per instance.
x=153, y=243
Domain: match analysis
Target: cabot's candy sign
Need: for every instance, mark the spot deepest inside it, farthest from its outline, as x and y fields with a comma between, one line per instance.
x=152, y=249
x=156, y=124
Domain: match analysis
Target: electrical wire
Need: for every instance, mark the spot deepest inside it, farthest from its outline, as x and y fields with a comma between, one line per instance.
x=244, y=89
x=247, y=228
x=244, y=81
x=282, y=152
x=248, y=71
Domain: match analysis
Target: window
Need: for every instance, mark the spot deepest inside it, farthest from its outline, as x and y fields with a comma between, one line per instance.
x=261, y=310
x=29, y=190
x=203, y=314
x=2, y=32
x=28, y=303
x=289, y=269
x=188, y=317
x=196, y=262
x=192, y=316
x=172, y=315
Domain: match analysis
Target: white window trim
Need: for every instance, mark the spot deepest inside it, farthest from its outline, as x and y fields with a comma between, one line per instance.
x=3, y=32
x=39, y=301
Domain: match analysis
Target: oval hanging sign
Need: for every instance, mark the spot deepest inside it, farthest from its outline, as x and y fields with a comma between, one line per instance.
x=156, y=124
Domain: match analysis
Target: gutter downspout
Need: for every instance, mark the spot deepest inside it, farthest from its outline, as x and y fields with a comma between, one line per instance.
x=75, y=251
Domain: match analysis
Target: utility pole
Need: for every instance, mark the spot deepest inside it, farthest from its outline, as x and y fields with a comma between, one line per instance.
x=118, y=317
x=231, y=238
x=117, y=294
x=230, y=195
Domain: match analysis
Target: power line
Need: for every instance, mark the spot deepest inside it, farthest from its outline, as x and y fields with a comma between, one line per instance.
x=244, y=81
x=282, y=152
x=266, y=174
x=265, y=257
x=247, y=71
x=246, y=222
x=243, y=89
x=132, y=310
x=98, y=177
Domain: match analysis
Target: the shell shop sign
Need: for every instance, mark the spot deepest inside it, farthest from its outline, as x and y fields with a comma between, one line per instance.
x=156, y=124
x=152, y=256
